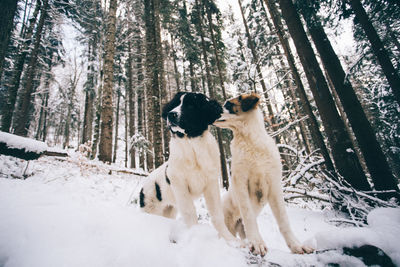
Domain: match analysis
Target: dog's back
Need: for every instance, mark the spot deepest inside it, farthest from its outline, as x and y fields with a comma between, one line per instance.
x=156, y=196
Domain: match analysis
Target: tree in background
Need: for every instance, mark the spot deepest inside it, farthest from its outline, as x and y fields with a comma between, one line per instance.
x=105, y=145
x=8, y=11
x=21, y=121
x=342, y=149
x=374, y=157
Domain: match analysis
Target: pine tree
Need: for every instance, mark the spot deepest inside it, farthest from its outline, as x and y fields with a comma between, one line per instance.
x=374, y=157
x=342, y=150
x=8, y=9
x=13, y=86
x=313, y=123
x=380, y=51
x=22, y=118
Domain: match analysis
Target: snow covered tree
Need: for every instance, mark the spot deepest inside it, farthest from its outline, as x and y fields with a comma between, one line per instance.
x=342, y=149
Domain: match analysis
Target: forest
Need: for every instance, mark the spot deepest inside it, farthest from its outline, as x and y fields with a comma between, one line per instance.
x=95, y=74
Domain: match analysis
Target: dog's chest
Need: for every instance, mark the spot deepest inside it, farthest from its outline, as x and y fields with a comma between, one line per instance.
x=193, y=162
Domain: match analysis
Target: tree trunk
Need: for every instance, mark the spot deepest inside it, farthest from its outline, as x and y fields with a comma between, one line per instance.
x=154, y=80
x=89, y=97
x=67, y=127
x=140, y=99
x=22, y=118
x=131, y=101
x=374, y=157
x=12, y=90
x=106, y=131
x=224, y=171
x=7, y=12
x=271, y=117
x=117, y=122
x=377, y=46
x=44, y=104
x=96, y=135
x=158, y=88
x=214, y=42
x=176, y=72
x=312, y=120
x=342, y=150
x=126, y=126
x=46, y=112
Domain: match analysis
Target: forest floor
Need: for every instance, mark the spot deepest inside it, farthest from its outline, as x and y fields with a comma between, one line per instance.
x=72, y=212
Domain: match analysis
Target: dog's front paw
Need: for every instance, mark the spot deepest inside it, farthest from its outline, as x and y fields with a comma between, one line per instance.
x=258, y=247
x=301, y=249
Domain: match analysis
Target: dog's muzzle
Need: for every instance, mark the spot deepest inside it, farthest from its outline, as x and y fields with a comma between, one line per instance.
x=173, y=118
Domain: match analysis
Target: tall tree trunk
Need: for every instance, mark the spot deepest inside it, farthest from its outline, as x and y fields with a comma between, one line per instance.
x=312, y=120
x=22, y=118
x=89, y=97
x=176, y=72
x=224, y=171
x=96, y=134
x=345, y=160
x=44, y=104
x=215, y=46
x=12, y=88
x=150, y=68
x=8, y=10
x=154, y=81
x=67, y=126
x=126, y=126
x=271, y=117
x=116, y=122
x=140, y=99
x=374, y=157
x=106, y=131
x=377, y=46
x=131, y=101
x=46, y=112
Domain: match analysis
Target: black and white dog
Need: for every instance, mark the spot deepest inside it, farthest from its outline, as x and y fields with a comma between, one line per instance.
x=193, y=167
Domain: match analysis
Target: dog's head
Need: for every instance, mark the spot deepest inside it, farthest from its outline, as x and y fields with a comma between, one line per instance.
x=237, y=110
x=190, y=114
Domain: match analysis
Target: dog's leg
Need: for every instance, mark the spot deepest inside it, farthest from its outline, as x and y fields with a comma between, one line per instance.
x=185, y=204
x=213, y=202
x=277, y=205
x=249, y=218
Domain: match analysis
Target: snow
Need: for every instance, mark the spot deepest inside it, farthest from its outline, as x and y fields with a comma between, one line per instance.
x=18, y=142
x=68, y=213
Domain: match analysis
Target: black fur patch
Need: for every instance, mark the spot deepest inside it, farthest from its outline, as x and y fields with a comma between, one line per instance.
x=229, y=106
x=158, y=192
x=197, y=113
x=249, y=102
x=167, y=179
x=259, y=195
x=175, y=101
x=141, y=199
x=370, y=255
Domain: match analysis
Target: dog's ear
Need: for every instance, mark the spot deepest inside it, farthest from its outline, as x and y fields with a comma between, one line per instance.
x=171, y=104
x=249, y=102
x=212, y=111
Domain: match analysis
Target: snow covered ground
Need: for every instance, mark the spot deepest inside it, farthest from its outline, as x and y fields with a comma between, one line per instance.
x=70, y=213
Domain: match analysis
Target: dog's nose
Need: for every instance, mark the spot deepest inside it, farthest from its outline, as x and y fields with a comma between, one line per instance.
x=173, y=116
x=228, y=105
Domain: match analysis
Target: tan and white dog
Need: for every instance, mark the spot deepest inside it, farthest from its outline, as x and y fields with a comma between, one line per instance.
x=256, y=175
x=193, y=167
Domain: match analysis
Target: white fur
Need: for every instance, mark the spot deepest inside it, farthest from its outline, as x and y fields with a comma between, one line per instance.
x=193, y=169
x=256, y=180
x=166, y=207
